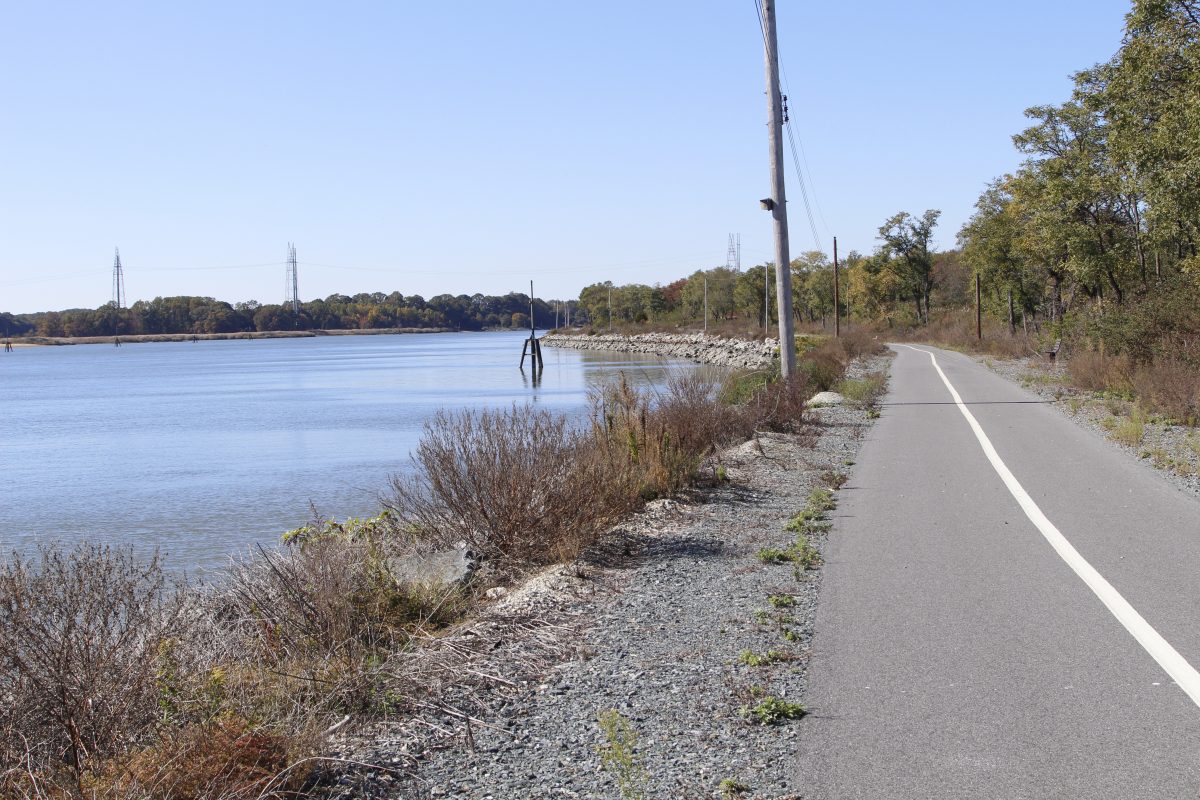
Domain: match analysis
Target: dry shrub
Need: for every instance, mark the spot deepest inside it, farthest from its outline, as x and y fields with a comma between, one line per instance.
x=779, y=405
x=515, y=485
x=80, y=634
x=659, y=442
x=1097, y=372
x=523, y=487
x=224, y=760
x=859, y=343
x=823, y=366
x=301, y=633
x=1171, y=388
x=956, y=330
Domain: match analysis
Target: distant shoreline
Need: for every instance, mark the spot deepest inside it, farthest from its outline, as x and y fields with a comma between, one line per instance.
x=53, y=341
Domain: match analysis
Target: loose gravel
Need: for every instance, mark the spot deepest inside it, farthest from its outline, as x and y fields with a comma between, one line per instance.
x=679, y=596
x=1173, y=451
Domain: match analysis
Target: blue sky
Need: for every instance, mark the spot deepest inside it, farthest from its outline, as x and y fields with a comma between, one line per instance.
x=462, y=147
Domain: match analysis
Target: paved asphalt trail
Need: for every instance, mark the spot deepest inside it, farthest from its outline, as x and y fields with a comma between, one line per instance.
x=956, y=654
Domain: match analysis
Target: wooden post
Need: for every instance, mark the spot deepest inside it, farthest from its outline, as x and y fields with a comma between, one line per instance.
x=978, y=310
x=778, y=206
x=837, y=297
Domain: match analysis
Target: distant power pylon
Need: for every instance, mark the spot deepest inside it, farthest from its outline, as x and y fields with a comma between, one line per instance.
x=733, y=258
x=291, y=285
x=118, y=295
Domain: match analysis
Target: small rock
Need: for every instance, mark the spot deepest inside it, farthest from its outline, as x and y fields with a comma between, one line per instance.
x=827, y=399
x=442, y=568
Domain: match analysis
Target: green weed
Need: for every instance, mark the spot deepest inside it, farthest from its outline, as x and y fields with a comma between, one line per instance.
x=771, y=711
x=751, y=659
x=618, y=755
x=730, y=789
x=1130, y=432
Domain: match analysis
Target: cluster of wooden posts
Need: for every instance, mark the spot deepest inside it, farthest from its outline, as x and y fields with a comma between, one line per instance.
x=532, y=346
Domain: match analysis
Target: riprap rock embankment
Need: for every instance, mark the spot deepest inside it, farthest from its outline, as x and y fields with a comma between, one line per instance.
x=692, y=347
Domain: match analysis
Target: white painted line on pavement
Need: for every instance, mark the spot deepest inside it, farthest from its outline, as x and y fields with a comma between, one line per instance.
x=1159, y=648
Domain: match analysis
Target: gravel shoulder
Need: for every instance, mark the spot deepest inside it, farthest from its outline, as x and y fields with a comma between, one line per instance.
x=652, y=625
x=1172, y=451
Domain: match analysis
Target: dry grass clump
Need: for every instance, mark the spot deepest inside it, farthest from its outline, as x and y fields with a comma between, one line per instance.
x=1097, y=372
x=1166, y=386
x=1172, y=388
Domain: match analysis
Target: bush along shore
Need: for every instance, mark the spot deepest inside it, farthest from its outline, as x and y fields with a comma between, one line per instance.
x=117, y=681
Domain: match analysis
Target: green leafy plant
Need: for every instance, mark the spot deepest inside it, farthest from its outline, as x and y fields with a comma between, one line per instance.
x=771, y=711
x=750, y=658
x=730, y=789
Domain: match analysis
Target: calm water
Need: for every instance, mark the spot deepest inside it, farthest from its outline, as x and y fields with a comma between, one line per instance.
x=202, y=449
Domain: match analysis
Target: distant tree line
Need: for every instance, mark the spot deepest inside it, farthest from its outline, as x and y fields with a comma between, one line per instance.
x=904, y=271
x=337, y=312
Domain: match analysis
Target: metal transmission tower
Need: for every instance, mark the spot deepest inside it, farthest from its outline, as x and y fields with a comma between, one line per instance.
x=733, y=257
x=118, y=295
x=291, y=286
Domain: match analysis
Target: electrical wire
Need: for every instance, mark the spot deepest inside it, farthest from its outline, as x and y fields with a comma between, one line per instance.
x=796, y=157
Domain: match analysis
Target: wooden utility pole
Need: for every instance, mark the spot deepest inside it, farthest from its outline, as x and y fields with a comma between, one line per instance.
x=706, y=305
x=978, y=310
x=837, y=297
x=766, y=301
x=778, y=202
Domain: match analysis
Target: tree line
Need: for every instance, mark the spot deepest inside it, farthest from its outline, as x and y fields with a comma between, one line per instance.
x=376, y=310
x=903, y=272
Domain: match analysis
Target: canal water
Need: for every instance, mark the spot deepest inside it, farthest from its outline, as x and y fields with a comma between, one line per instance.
x=203, y=449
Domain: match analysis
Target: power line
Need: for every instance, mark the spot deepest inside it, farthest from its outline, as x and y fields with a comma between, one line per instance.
x=787, y=124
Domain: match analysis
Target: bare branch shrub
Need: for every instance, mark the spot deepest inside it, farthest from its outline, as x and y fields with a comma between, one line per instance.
x=512, y=484
x=779, y=405
x=80, y=634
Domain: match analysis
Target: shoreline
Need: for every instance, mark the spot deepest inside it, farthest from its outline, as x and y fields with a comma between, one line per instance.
x=696, y=347
x=145, y=338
